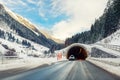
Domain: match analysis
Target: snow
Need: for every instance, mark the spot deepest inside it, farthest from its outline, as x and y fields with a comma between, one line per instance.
x=22, y=60
x=107, y=44
x=4, y=27
x=22, y=20
x=22, y=50
x=111, y=65
x=29, y=62
x=113, y=39
x=2, y=49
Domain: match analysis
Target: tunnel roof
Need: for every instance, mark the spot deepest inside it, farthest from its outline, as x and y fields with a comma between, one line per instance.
x=77, y=44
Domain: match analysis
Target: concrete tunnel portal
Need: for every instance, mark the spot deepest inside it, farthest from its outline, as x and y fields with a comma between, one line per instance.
x=78, y=51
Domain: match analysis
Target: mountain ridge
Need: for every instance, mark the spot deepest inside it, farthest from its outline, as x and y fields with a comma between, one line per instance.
x=29, y=25
x=102, y=27
x=14, y=23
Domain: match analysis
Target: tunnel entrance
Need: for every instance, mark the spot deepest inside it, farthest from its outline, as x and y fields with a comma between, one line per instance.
x=78, y=52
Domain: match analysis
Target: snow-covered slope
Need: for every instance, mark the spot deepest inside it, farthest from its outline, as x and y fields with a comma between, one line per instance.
x=19, y=36
x=47, y=35
x=109, y=45
x=113, y=39
x=20, y=49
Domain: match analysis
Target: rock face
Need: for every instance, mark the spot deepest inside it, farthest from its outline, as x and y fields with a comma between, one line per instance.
x=11, y=23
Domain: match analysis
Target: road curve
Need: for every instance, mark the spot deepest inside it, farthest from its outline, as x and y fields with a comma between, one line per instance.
x=67, y=70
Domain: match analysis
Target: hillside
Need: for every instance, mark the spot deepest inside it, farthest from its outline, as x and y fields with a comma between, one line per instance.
x=31, y=26
x=102, y=27
x=47, y=35
x=14, y=24
x=113, y=39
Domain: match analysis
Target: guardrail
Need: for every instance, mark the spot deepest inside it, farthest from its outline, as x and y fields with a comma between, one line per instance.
x=113, y=47
x=107, y=62
x=8, y=59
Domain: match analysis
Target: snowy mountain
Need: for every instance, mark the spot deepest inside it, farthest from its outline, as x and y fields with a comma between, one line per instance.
x=108, y=47
x=8, y=48
x=103, y=27
x=47, y=35
x=12, y=25
x=113, y=39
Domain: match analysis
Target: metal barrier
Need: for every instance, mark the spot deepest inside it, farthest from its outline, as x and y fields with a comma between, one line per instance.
x=107, y=62
x=113, y=47
x=8, y=59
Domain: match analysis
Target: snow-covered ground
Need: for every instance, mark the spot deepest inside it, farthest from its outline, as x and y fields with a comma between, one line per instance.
x=26, y=56
x=21, y=50
x=23, y=59
x=112, y=65
x=29, y=63
x=113, y=39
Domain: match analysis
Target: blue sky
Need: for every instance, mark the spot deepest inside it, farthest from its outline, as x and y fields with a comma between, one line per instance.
x=32, y=11
x=63, y=18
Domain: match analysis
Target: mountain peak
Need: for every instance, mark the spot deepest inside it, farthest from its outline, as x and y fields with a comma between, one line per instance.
x=1, y=6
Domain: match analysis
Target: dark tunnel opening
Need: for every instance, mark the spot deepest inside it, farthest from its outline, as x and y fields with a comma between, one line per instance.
x=78, y=52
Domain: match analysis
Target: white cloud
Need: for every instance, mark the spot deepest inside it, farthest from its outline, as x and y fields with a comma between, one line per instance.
x=82, y=12
x=49, y=8
x=42, y=10
x=14, y=5
x=32, y=1
x=64, y=29
x=13, y=2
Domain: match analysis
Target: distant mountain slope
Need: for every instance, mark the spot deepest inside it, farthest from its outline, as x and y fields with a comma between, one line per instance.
x=14, y=23
x=31, y=26
x=47, y=35
x=103, y=27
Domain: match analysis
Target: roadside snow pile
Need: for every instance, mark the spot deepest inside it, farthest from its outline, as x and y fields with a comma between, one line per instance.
x=28, y=63
x=110, y=61
x=110, y=64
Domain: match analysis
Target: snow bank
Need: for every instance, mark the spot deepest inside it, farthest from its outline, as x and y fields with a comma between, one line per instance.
x=28, y=63
x=112, y=65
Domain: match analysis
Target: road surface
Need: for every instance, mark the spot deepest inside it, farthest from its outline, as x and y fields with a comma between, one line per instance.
x=67, y=70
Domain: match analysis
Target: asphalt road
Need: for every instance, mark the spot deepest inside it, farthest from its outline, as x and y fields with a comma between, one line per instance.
x=67, y=70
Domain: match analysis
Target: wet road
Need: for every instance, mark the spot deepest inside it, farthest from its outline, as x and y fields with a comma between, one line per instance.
x=67, y=70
